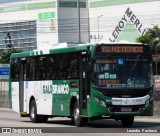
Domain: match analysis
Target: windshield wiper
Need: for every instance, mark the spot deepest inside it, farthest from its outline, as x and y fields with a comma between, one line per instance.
x=135, y=63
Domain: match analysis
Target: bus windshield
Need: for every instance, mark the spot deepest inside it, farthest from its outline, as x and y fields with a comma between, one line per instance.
x=123, y=72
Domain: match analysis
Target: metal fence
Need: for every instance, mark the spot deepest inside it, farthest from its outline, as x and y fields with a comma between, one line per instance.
x=4, y=87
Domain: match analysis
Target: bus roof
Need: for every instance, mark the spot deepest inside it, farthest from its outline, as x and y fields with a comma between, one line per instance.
x=68, y=48
x=120, y=42
x=79, y=47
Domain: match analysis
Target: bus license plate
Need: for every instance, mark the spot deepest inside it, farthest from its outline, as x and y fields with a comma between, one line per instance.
x=126, y=109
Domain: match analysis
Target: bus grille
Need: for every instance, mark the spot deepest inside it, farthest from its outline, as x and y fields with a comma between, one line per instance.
x=125, y=93
x=125, y=108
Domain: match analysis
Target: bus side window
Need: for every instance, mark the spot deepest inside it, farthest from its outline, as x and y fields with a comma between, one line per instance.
x=13, y=66
x=53, y=74
x=41, y=66
x=56, y=65
x=32, y=68
x=62, y=66
x=12, y=70
x=28, y=75
x=50, y=68
x=73, y=66
x=15, y=69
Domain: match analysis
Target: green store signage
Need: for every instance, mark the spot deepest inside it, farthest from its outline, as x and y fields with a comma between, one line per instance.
x=46, y=15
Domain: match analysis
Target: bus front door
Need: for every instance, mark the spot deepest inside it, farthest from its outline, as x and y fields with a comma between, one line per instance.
x=22, y=91
x=83, y=85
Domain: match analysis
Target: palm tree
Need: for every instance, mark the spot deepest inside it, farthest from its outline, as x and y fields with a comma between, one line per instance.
x=152, y=37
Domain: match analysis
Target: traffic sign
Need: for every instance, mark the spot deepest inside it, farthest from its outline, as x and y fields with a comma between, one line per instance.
x=4, y=71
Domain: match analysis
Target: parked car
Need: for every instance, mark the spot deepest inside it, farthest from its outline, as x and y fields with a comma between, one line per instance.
x=157, y=83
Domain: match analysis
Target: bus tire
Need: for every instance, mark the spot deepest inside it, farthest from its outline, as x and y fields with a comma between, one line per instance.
x=43, y=119
x=128, y=121
x=77, y=119
x=33, y=112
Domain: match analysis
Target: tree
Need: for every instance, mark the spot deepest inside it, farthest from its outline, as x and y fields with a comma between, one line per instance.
x=152, y=37
x=5, y=55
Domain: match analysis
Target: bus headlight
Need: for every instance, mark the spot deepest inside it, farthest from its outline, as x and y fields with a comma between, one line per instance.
x=96, y=99
x=100, y=101
x=150, y=99
x=147, y=101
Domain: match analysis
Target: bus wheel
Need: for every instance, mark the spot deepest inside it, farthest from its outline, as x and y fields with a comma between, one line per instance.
x=128, y=121
x=77, y=119
x=43, y=119
x=33, y=112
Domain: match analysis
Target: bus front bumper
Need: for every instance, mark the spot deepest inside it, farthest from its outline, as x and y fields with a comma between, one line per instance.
x=114, y=110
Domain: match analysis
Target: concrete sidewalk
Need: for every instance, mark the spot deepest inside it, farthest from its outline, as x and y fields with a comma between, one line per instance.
x=6, y=110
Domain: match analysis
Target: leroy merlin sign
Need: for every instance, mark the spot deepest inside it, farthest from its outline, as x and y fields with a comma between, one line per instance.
x=129, y=16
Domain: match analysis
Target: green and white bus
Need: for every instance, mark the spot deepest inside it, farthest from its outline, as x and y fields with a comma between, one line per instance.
x=83, y=82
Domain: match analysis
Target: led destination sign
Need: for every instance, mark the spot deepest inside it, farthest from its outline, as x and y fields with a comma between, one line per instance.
x=122, y=49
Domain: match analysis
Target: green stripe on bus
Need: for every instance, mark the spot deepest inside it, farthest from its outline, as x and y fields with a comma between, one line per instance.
x=103, y=3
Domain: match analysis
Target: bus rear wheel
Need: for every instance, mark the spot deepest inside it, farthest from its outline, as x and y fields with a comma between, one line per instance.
x=33, y=112
x=35, y=118
x=127, y=121
x=77, y=119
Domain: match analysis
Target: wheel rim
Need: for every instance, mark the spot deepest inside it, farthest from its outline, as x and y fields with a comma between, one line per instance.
x=32, y=112
x=76, y=115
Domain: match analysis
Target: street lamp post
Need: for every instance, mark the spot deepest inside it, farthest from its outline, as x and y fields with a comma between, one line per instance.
x=79, y=25
x=98, y=25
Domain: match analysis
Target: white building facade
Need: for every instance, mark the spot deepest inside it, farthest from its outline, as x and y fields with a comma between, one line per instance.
x=32, y=24
x=35, y=24
x=116, y=20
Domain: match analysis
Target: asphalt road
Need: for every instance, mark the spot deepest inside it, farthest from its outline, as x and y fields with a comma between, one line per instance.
x=63, y=126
